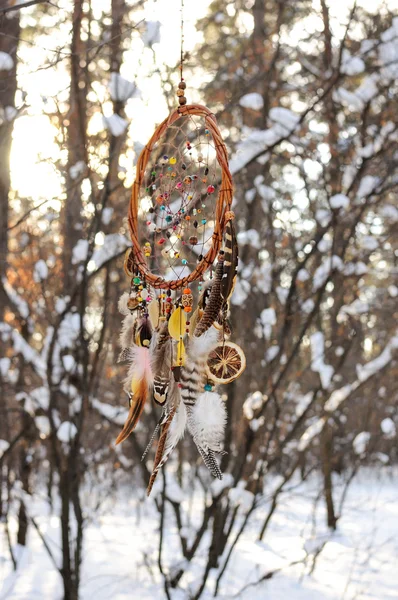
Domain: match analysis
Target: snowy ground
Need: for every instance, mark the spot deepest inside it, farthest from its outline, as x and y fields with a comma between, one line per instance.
x=359, y=561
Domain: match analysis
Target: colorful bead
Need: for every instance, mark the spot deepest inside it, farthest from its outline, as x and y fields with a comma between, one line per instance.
x=136, y=280
x=187, y=291
x=193, y=240
x=208, y=387
x=210, y=189
x=204, y=221
x=169, y=218
x=179, y=185
x=161, y=241
x=173, y=160
x=188, y=309
x=184, y=261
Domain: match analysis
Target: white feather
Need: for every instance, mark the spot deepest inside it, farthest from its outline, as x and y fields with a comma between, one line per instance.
x=177, y=428
x=126, y=338
x=140, y=366
x=205, y=343
x=207, y=421
x=122, y=304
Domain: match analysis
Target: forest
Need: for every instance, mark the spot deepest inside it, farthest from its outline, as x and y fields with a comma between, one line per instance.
x=304, y=94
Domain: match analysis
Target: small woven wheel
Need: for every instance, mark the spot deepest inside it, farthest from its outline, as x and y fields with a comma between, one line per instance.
x=222, y=208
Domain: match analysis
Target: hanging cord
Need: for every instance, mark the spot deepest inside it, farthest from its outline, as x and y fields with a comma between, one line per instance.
x=182, y=85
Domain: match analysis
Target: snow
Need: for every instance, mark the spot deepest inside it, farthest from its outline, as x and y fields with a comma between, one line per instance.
x=241, y=292
x=120, y=548
x=16, y=299
x=43, y=425
x=318, y=365
x=76, y=170
x=287, y=119
x=5, y=364
x=367, y=186
x=351, y=65
x=393, y=291
x=238, y=496
x=151, y=34
x=116, y=124
x=252, y=404
x=80, y=251
x=355, y=308
x=302, y=403
x=115, y=414
x=337, y=397
x=254, y=101
x=4, y=445
x=339, y=201
x=68, y=362
x=310, y=433
x=107, y=215
x=66, y=432
x=40, y=271
x=257, y=142
x=271, y=353
x=361, y=442
x=374, y=366
x=388, y=51
x=114, y=245
x=250, y=237
x=219, y=485
x=268, y=320
x=388, y=428
x=6, y=62
x=121, y=89
x=323, y=271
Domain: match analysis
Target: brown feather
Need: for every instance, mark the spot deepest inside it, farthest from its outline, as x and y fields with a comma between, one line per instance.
x=137, y=406
x=160, y=449
x=230, y=261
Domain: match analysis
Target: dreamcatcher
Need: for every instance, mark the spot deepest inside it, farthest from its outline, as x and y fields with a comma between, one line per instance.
x=182, y=267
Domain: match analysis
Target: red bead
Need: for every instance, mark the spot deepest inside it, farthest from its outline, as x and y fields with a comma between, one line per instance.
x=210, y=189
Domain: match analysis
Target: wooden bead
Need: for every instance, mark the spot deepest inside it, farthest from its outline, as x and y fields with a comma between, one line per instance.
x=180, y=92
x=182, y=100
x=182, y=85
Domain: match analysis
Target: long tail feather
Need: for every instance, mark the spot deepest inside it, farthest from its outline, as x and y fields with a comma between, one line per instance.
x=159, y=452
x=137, y=406
x=139, y=381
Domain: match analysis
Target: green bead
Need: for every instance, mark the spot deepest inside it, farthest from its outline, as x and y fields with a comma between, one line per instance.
x=208, y=387
x=136, y=280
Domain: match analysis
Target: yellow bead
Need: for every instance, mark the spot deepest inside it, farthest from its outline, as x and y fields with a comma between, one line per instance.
x=173, y=160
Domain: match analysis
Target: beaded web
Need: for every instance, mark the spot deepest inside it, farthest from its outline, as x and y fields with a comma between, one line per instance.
x=182, y=192
x=178, y=202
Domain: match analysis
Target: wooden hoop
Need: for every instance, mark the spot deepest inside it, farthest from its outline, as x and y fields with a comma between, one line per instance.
x=223, y=205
